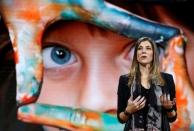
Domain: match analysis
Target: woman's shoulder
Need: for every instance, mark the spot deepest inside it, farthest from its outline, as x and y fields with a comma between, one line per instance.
x=123, y=83
x=124, y=79
x=124, y=76
x=166, y=75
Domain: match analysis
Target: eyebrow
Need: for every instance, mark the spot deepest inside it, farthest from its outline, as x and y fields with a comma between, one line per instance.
x=93, y=29
x=146, y=45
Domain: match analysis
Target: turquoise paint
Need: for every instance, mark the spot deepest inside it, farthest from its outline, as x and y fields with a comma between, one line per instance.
x=110, y=122
x=60, y=1
x=25, y=109
x=69, y=14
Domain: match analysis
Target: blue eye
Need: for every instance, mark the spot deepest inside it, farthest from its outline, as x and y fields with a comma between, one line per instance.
x=60, y=55
x=56, y=56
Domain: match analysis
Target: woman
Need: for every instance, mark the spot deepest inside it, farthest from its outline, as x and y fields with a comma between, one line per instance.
x=146, y=97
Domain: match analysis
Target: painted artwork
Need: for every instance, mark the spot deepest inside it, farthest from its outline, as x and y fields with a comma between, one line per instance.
x=69, y=54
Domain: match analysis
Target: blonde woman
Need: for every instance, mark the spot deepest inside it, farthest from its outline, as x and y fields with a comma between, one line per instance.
x=146, y=96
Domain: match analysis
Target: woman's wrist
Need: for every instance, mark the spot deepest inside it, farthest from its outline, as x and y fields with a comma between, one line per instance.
x=169, y=110
x=127, y=113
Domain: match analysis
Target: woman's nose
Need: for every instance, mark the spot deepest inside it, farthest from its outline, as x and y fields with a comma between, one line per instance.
x=143, y=50
x=99, y=91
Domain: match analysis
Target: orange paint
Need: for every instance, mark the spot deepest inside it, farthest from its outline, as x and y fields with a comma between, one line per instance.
x=55, y=7
x=16, y=58
x=92, y=115
x=38, y=38
x=29, y=13
x=179, y=69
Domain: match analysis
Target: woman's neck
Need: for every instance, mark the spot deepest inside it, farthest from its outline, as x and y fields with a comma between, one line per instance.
x=144, y=70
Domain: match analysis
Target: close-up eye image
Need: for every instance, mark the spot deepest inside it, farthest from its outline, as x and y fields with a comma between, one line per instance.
x=96, y=65
x=56, y=56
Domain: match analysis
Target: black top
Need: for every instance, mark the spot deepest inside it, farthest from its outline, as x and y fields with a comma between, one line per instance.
x=124, y=94
x=143, y=111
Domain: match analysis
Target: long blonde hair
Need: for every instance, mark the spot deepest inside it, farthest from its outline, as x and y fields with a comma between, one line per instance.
x=155, y=75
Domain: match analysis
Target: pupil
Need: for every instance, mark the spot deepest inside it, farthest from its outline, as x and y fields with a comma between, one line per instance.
x=60, y=53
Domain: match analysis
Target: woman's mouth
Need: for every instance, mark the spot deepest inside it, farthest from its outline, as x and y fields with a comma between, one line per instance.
x=143, y=57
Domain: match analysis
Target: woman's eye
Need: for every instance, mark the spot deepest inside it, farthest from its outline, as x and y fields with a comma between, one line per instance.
x=57, y=56
x=132, y=48
x=139, y=48
x=149, y=48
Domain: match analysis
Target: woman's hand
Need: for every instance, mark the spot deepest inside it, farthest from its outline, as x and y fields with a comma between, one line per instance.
x=166, y=102
x=135, y=105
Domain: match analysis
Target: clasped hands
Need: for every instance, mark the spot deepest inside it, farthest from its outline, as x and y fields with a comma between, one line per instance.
x=140, y=101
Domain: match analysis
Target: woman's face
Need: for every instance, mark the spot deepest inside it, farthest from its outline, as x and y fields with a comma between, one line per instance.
x=145, y=53
x=82, y=66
